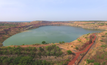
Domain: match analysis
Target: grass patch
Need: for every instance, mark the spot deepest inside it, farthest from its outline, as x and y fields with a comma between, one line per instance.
x=106, y=53
x=106, y=33
x=96, y=63
x=79, y=40
x=103, y=45
x=102, y=56
x=89, y=61
x=104, y=63
x=98, y=57
x=101, y=40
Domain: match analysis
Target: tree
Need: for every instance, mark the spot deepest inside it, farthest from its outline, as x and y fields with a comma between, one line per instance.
x=43, y=42
x=69, y=52
x=63, y=42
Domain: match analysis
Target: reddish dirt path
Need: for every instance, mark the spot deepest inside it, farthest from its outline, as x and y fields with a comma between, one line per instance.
x=78, y=53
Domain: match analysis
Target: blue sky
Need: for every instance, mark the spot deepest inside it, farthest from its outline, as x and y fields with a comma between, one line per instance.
x=53, y=10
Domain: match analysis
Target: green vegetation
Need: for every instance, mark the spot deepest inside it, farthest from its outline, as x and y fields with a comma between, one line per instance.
x=89, y=61
x=10, y=25
x=98, y=57
x=22, y=60
x=79, y=40
x=43, y=42
x=104, y=63
x=105, y=33
x=62, y=42
x=28, y=55
x=105, y=58
x=103, y=45
x=101, y=40
x=103, y=36
x=71, y=46
x=76, y=48
x=69, y=52
x=88, y=34
x=96, y=63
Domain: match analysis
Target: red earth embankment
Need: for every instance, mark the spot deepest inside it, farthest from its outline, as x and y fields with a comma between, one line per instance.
x=85, y=50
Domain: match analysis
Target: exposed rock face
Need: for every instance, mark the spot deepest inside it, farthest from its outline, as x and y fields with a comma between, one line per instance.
x=6, y=32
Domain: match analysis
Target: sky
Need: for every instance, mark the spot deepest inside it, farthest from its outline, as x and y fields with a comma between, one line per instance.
x=53, y=10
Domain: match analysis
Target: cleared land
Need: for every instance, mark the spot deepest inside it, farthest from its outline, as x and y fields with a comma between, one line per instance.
x=54, y=54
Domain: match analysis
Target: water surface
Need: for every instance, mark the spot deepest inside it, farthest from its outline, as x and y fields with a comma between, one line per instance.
x=50, y=34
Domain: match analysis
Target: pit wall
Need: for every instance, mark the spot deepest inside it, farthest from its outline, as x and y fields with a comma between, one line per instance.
x=6, y=33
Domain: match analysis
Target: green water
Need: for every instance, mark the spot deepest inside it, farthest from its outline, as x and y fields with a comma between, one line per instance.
x=50, y=34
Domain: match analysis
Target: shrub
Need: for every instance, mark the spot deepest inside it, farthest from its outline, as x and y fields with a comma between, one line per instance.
x=69, y=52
x=101, y=40
x=88, y=33
x=76, y=48
x=71, y=46
x=96, y=63
x=104, y=63
x=41, y=49
x=102, y=36
x=63, y=42
x=105, y=58
x=43, y=42
x=79, y=40
x=98, y=57
x=89, y=61
x=25, y=60
x=102, y=56
x=103, y=45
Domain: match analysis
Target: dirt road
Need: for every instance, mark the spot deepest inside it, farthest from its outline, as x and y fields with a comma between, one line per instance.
x=78, y=53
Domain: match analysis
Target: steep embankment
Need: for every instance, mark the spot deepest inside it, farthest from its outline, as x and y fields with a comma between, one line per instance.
x=19, y=27
x=98, y=53
x=78, y=53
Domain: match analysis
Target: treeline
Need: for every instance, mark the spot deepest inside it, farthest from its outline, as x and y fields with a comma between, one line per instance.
x=52, y=50
x=28, y=55
x=22, y=60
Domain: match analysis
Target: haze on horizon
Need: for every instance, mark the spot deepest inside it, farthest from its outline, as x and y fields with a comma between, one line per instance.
x=53, y=10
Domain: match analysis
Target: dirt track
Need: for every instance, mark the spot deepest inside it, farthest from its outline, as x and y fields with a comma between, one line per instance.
x=78, y=53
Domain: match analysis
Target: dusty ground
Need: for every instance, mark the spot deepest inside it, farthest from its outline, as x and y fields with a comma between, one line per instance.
x=98, y=50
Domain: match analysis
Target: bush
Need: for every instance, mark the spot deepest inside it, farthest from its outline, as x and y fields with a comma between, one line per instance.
x=103, y=45
x=76, y=48
x=104, y=63
x=96, y=63
x=43, y=42
x=79, y=40
x=61, y=42
x=69, y=52
x=89, y=61
x=102, y=56
x=88, y=33
x=101, y=40
x=25, y=60
x=102, y=36
x=41, y=49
